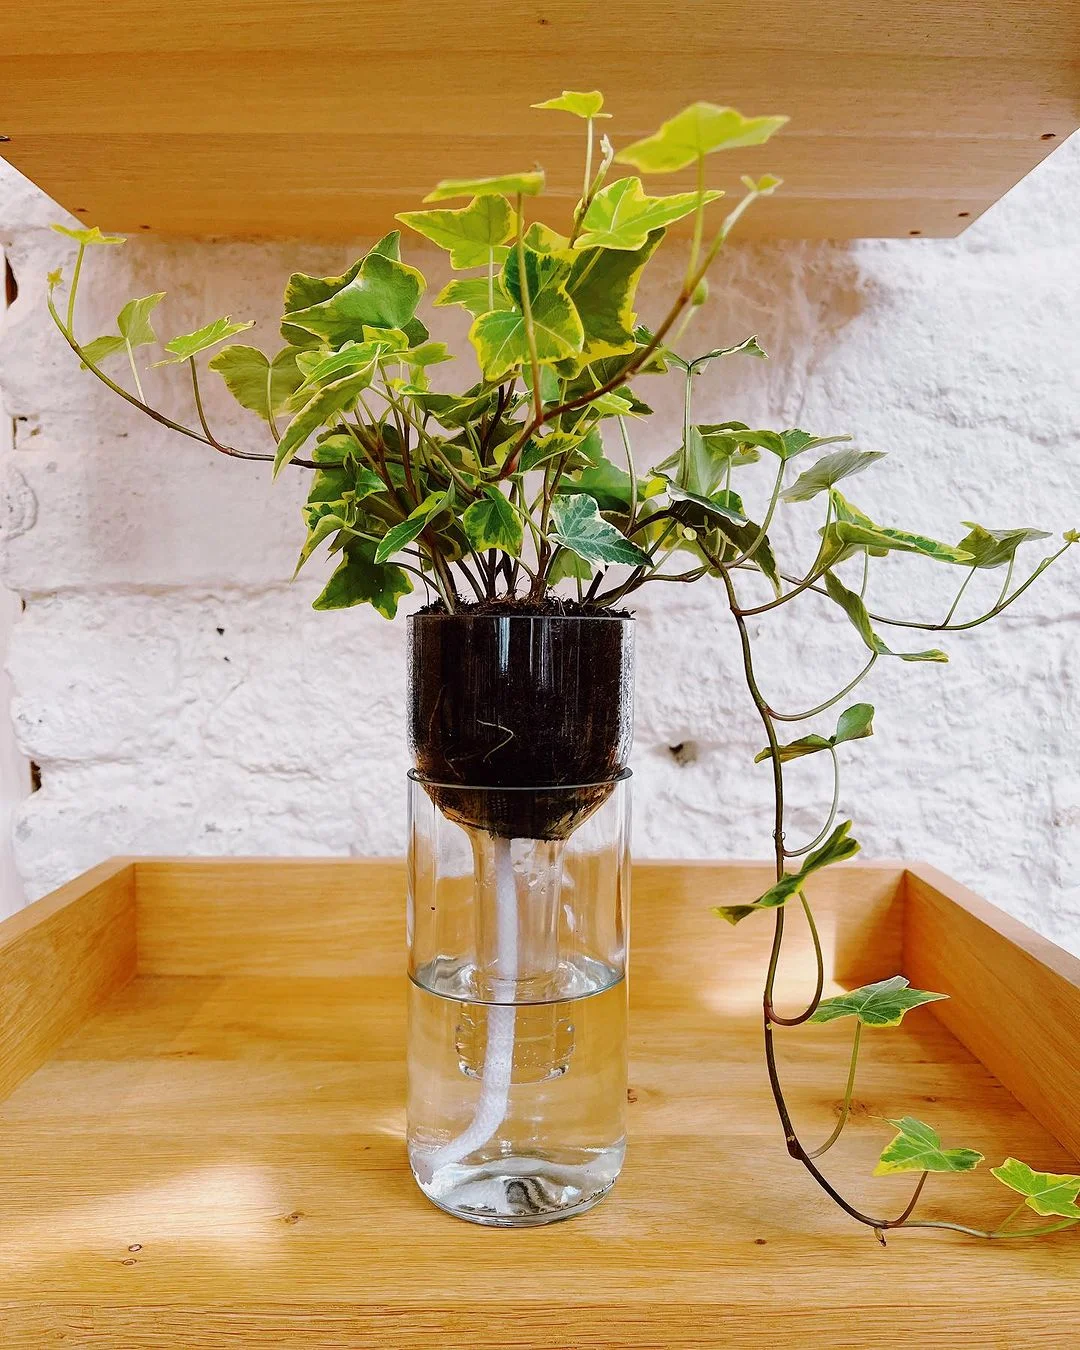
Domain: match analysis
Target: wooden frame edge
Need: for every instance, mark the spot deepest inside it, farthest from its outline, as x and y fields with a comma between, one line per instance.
x=60, y=958
x=1011, y=990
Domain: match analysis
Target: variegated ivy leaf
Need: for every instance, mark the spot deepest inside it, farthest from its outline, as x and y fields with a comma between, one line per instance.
x=472, y=234
x=187, y=345
x=854, y=608
x=89, y=236
x=256, y=382
x=506, y=185
x=917, y=1148
x=473, y=294
x=621, y=216
x=853, y=724
x=580, y=447
x=383, y=293
x=542, y=238
x=303, y=291
x=994, y=548
x=320, y=527
x=136, y=329
x=576, y=524
x=326, y=402
x=852, y=528
x=492, y=522
x=607, y=484
x=134, y=323
x=748, y=347
x=586, y=106
x=602, y=285
x=828, y=471
x=696, y=131
x=360, y=580
x=882, y=1004
x=499, y=337
x=1044, y=1192
x=411, y=528
x=837, y=848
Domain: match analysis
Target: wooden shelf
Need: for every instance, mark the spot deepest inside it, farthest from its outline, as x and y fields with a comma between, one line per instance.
x=201, y=1106
x=270, y=118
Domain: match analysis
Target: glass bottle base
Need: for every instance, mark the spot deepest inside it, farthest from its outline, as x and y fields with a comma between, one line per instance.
x=518, y=1192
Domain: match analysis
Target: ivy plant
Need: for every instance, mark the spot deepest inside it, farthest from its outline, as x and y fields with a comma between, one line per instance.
x=518, y=483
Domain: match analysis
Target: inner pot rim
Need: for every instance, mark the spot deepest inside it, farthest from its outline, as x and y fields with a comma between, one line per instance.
x=620, y=777
x=525, y=618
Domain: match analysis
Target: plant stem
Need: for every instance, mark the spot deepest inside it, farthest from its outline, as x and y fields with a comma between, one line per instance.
x=74, y=288
x=845, y=1109
x=699, y=222
x=959, y=597
x=820, y=838
x=823, y=707
x=753, y=547
x=631, y=471
x=134, y=371
x=526, y=310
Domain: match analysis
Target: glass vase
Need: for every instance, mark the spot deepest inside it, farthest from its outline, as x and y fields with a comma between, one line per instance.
x=517, y=998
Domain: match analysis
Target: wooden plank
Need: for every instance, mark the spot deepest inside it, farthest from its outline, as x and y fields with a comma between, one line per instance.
x=1014, y=996
x=346, y=917
x=138, y=116
x=59, y=960
x=216, y=1158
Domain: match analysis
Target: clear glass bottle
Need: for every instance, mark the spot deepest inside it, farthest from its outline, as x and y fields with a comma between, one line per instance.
x=517, y=1002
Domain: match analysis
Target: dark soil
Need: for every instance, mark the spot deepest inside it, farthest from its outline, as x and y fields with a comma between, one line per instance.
x=520, y=698
x=549, y=606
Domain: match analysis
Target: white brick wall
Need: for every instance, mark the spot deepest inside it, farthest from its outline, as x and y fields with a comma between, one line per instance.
x=180, y=696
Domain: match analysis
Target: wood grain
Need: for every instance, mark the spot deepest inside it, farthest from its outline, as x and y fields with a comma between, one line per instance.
x=59, y=959
x=261, y=123
x=1015, y=996
x=214, y=1158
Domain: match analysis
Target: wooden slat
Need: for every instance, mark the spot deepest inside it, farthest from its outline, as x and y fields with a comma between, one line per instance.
x=60, y=959
x=216, y=1158
x=262, y=122
x=346, y=917
x=1014, y=996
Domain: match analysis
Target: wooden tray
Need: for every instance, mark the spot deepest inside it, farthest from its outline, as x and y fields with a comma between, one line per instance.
x=202, y=1131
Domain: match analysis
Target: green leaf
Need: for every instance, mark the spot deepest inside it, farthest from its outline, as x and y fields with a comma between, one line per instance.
x=568, y=565
x=89, y=236
x=493, y=523
x=708, y=508
x=320, y=528
x=1044, y=1192
x=472, y=234
x=710, y=448
x=837, y=848
x=917, y=1148
x=854, y=608
x=581, y=105
x=190, y=344
x=798, y=442
x=261, y=385
x=134, y=323
x=621, y=216
x=607, y=484
x=830, y=470
x=411, y=528
x=747, y=347
x=852, y=528
x=384, y=293
x=471, y=293
x=499, y=337
x=854, y=724
x=882, y=1004
x=360, y=580
x=326, y=402
x=101, y=348
x=507, y=185
x=427, y=354
x=697, y=131
x=578, y=525
x=994, y=548
x=602, y=286
x=303, y=291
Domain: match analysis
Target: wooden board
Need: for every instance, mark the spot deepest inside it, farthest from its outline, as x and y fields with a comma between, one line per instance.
x=214, y=1157
x=268, y=118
